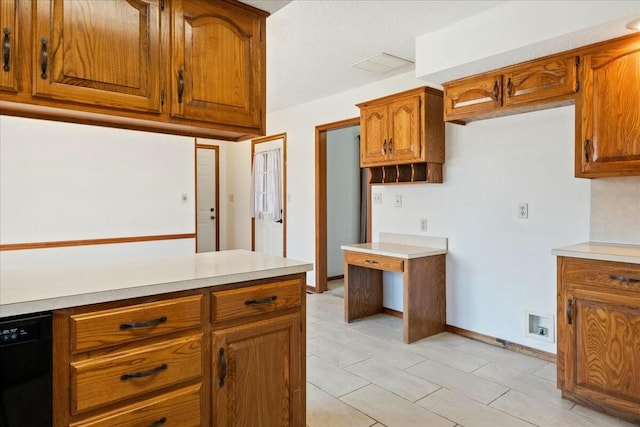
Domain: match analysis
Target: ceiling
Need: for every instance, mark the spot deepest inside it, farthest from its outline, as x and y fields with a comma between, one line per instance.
x=313, y=44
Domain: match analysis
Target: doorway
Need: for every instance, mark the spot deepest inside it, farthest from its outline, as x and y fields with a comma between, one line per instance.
x=269, y=229
x=207, y=201
x=322, y=204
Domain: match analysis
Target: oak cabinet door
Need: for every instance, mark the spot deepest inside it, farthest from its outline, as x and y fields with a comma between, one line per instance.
x=217, y=72
x=543, y=80
x=374, y=135
x=104, y=53
x=255, y=367
x=405, y=145
x=603, y=349
x=477, y=95
x=608, y=113
x=14, y=38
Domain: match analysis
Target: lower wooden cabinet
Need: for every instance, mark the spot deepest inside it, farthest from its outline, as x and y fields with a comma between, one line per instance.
x=229, y=355
x=256, y=374
x=599, y=335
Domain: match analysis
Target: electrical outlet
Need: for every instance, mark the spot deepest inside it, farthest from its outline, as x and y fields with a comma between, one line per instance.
x=523, y=210
x=184, y=198
x=377, y=198
x=398, y=202
x=423, y=224
x=231, y=197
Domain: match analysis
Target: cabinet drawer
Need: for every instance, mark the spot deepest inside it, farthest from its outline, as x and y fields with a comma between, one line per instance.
x=110, y=378
x=178, y=408
x=243, y=302
x=607, y=274
x=376, y=262
x=108, y=327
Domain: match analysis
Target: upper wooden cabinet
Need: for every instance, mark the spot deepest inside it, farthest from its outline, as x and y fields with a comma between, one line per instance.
x=217, y=64
x=533, y=85
x=402, y=128
x=189, y=67
x=608, y=112
x=78, y=58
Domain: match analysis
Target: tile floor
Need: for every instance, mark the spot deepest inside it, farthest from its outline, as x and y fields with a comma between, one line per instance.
x=362, y=374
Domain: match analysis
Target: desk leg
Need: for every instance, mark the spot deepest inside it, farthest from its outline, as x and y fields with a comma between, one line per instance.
x=362, y=292
x=424, y=297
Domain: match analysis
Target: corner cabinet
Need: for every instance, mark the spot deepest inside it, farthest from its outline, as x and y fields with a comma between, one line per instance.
x=608, y=112
x=404, y=128
x=218, y=64
x=187, y=67
x=599, y=335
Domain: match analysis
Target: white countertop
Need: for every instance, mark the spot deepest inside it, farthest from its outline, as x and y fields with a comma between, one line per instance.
x=601, y=251
x=33, y=290
x=394, y=250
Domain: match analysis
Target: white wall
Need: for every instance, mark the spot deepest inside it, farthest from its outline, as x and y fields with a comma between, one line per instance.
x=239, y=186
x=615, y=210
x=61, y=181
x=343, y=194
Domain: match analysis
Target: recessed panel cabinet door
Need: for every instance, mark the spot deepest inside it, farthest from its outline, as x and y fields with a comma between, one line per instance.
x=608, y=113
x=104, y=53
x=473, y=96
x=255, y=367
x=373, y=141
x=217, y=64
x=404, y=130
x=14, y=40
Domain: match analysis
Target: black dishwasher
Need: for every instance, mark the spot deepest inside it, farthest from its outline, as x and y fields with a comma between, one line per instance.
x=25, y=371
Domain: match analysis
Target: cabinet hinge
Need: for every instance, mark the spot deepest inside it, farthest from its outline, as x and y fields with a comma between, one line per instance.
x=162, y=97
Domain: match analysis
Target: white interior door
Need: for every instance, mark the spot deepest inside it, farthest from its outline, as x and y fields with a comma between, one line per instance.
x=269, y=234
x=206, y=199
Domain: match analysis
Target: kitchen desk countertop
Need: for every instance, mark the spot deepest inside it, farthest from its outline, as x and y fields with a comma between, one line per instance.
x=34, y=290
x=601, y=251
x=394, y=250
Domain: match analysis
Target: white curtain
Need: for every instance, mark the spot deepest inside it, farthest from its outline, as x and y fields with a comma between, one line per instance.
x=266, y=185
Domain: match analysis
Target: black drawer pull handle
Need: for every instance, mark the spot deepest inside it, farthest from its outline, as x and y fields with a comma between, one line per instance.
x=509, y=87
x=384, y=147
x=261, y=301
x=624, y=279
x=146, y=324
x=180, y=85
x=586, y=150
x=390, y=145
x=223, y=368
x=569, y=311
x=159, y=422
x=143, y=374
x=44, y=58
x=371, y=261
x=6, y=50
x=495, y=90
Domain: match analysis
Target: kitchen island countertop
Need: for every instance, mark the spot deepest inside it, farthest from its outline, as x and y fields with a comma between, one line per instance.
x=34, y=290
x=601, y=251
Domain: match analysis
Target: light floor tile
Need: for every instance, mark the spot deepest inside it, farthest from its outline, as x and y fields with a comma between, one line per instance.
x=456, y=359
x=468, y=412
x=312, y=319
x=600, y=417
x=331, y=378
x=468, y=385
x=334, y=353
x=446, y=339
x=324, y=410
x=541, y=389
x=542, y=414
x=335, y=332
x=504, y=357
x=378, y=330
x=384, y=352
x=392, y=410
x=548, y=372
x=393, y=379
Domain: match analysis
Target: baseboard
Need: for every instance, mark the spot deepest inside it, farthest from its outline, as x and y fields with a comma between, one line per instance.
x=518, y=348
x=392, y=312
x=312, y=289
x=340, y=276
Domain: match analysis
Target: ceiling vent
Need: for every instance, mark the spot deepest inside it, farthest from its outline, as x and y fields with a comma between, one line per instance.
x=383, y=63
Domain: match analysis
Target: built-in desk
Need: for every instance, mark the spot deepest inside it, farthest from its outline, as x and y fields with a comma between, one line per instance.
x=423, y=271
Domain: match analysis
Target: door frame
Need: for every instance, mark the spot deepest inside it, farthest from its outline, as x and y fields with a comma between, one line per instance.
x=255, y=142
x=321, y=200
x=217, y=189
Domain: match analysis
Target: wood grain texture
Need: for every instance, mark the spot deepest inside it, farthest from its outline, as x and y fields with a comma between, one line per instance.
x=96, y=382
x=14, y=17
x=599, y=273
x=472, y=96
x=263, y=369
x=424, y=297
x=102, y=328
x=376, y=262
x=362, y=291
x=88, y=242
x=607, y=114
x=179, y=408
x=231, y=304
